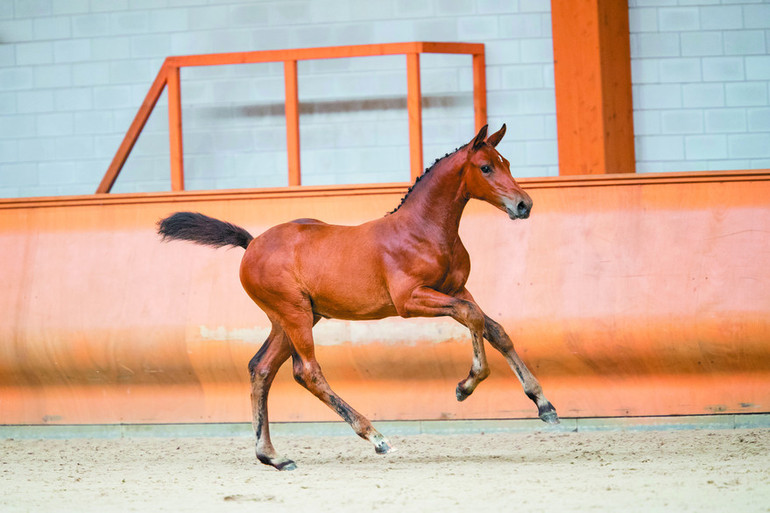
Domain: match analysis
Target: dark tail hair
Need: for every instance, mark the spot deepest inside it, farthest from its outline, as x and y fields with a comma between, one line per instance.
x=202, y=229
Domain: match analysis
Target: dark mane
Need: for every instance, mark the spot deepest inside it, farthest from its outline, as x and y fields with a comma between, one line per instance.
x=427, y=170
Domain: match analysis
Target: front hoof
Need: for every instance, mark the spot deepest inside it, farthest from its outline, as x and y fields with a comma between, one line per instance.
x=461, y=394
x=548, y=415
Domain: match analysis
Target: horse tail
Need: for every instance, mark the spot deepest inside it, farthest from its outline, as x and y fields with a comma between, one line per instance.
x=202, y=229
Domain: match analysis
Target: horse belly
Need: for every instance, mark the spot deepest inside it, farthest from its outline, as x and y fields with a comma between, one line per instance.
x=344, y=278
x=337, y=267
x=349, y=291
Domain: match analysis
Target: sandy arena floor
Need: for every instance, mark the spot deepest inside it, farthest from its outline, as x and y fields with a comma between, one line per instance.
x=720, y=471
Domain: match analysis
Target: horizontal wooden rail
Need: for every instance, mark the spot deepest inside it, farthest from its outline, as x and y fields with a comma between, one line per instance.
x=169, y=76
x=548, y=182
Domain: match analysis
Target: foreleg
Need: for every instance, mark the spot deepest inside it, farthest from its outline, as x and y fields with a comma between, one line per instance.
x=427, y=302
x=500, y=340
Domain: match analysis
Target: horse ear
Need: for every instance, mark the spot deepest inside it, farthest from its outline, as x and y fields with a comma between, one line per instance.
x=478, y=142
x=496, y=137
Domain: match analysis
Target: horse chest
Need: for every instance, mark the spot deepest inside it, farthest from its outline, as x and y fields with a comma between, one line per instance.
x=457, y=272
x=449, y=271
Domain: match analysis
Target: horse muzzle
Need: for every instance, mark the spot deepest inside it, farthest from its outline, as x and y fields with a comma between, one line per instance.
x=519, y=210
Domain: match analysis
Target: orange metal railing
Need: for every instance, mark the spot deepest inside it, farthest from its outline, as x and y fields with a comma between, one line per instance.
x=169, y=76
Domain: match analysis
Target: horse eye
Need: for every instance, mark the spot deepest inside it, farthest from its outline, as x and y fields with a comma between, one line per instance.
x=486, y=170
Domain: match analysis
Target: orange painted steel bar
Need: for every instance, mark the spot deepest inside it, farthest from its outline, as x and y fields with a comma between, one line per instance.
x=292, y=121
x=132, y=135
x=592, y=77
x=479, y=90
x=169, y=74
x=175, y=129
x=329, y=52
x=625, y=294
x=414, y=108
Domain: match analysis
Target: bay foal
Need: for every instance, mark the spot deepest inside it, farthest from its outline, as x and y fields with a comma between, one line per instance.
x=410, y=263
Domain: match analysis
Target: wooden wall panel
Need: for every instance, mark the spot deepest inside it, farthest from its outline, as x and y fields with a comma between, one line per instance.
x=592, y=75
x=635, y=295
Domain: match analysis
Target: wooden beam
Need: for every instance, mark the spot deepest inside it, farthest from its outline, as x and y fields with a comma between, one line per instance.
x=592, y=74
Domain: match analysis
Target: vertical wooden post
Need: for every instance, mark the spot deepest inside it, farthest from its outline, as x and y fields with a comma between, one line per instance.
x=175, y=129
x=414, y=110
x=479, y=90
x=592, y=73
x=292, y=121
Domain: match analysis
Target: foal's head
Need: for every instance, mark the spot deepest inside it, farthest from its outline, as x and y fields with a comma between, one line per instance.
x=487, y=176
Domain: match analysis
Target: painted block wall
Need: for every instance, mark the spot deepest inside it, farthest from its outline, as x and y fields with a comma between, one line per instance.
x=700, y=72
x=74, y=72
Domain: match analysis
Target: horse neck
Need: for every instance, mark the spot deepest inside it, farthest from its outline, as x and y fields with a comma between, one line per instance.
x=438, y=200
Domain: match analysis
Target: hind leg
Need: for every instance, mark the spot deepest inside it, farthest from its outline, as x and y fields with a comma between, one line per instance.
x=307, y=372
x=262, y=369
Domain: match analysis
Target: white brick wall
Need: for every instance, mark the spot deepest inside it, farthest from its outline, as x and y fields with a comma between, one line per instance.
x=74, y=72
x=700, y=72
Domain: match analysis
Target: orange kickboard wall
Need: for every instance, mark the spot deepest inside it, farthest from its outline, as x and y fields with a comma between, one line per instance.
x=625, y=295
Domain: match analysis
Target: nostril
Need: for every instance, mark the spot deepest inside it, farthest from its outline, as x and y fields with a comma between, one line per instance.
x=522, y=208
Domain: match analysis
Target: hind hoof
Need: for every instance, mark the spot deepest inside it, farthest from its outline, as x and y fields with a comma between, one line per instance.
x=278, y=464
x=286, y=465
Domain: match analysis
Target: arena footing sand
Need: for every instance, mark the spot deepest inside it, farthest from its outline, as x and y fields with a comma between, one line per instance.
x=649, y=471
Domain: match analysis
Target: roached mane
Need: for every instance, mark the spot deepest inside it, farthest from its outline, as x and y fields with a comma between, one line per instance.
x=427, y=170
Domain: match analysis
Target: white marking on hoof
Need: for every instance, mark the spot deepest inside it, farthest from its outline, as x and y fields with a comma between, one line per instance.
x=381, y=444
